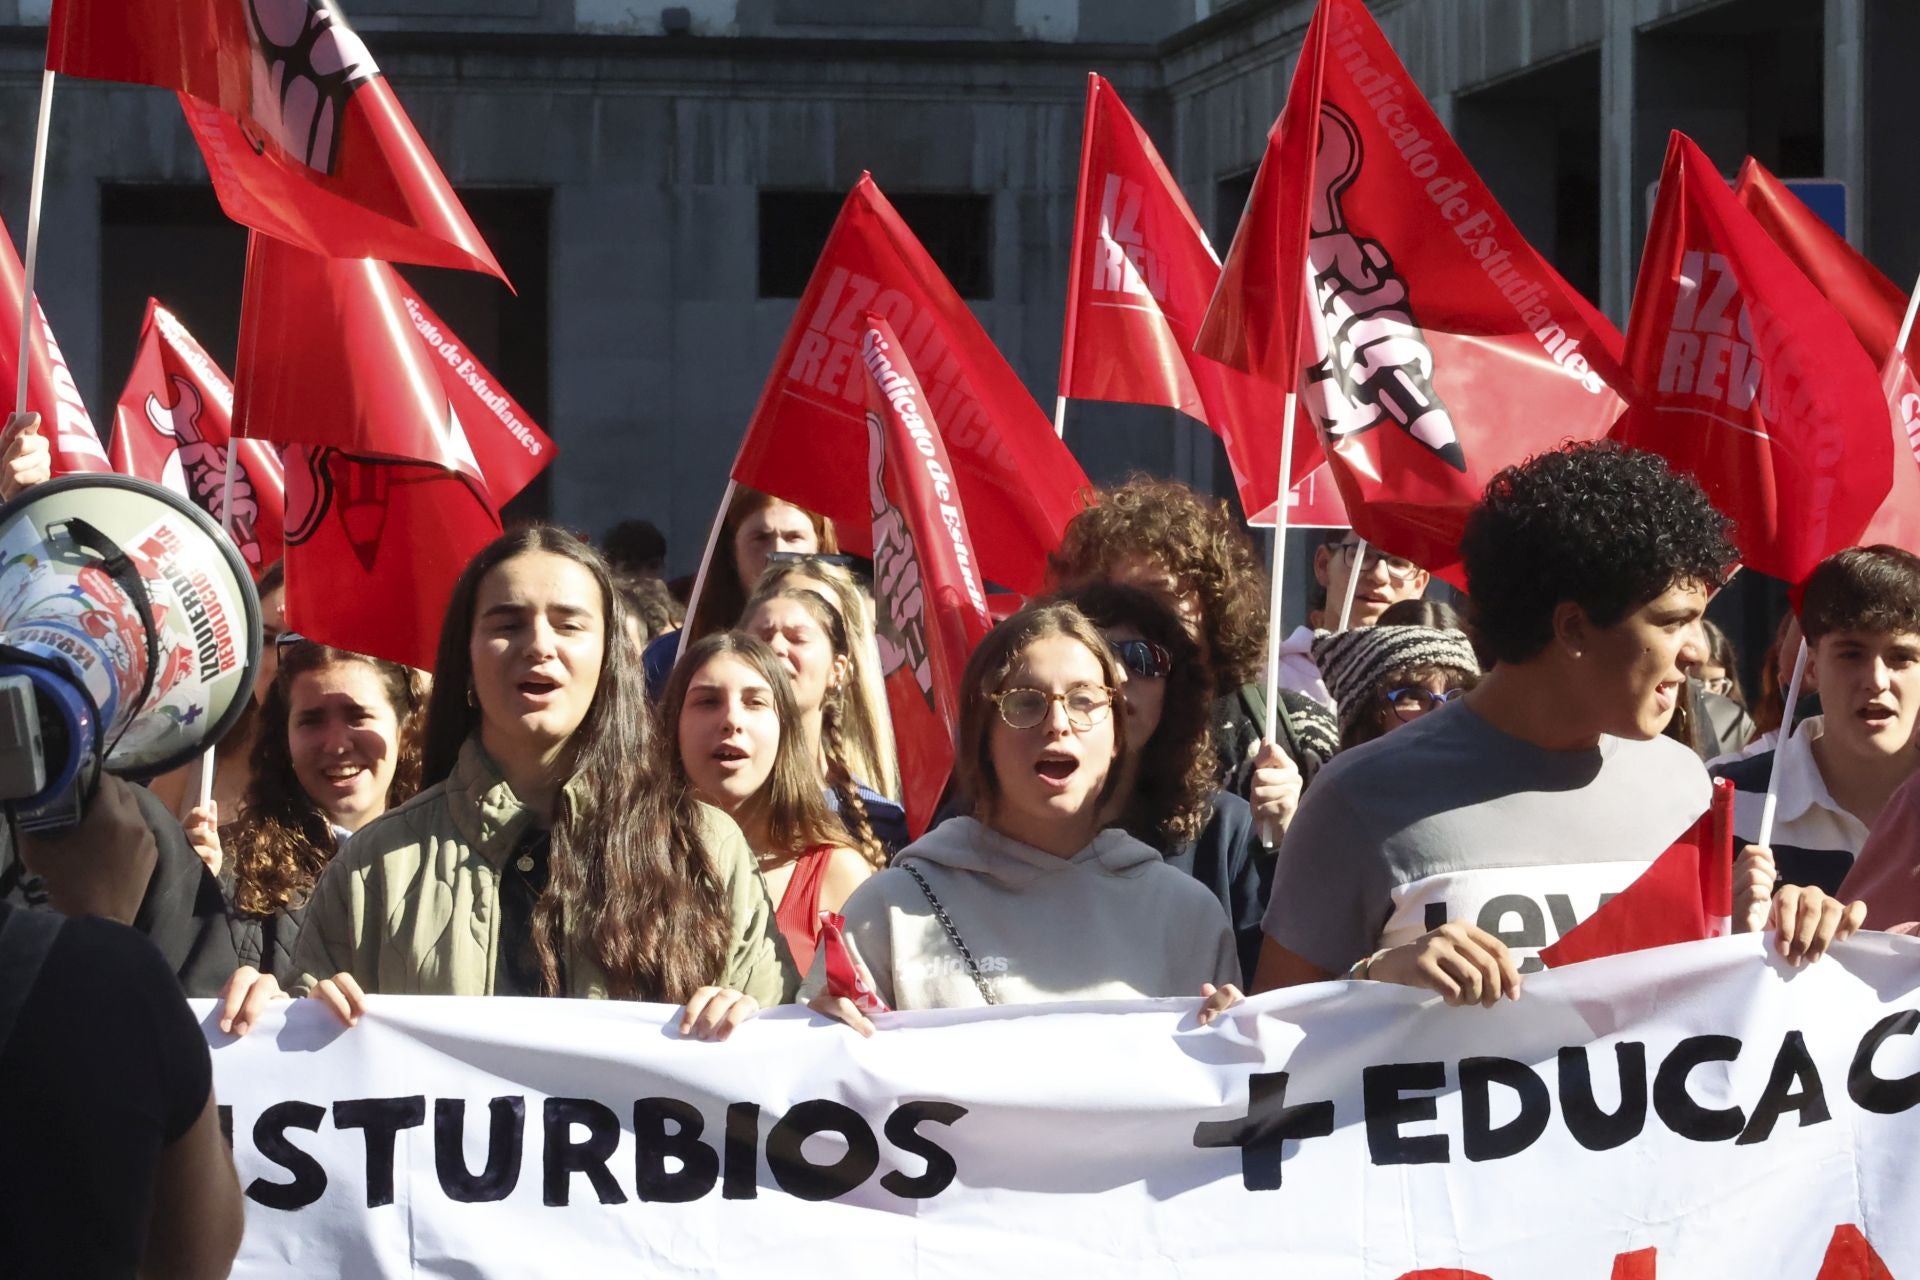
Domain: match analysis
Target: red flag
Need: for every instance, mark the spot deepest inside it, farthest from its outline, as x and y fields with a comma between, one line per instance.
x=1141, y=278
x=807, y=440
x=1871, y=304
x=304, y=139
x=1684, y=895
x=929, y=603
x=1745, y=377
x=1444, y=348
x=844, y=976
x=509, y=446
x=171, y=427
x=1315, y=503
x=51, y=391
x=374, y=546
x=1873, y=307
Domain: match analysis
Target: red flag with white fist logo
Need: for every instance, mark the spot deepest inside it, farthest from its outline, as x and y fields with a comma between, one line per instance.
x=172, y=426
x=303, y=138
x=930, y=605
x=51, y=392
x=1745, y=377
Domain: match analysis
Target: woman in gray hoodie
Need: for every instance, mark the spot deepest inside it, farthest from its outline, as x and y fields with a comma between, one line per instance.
x=1028, y=900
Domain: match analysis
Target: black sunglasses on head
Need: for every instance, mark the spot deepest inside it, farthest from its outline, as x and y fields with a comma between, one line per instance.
x=1143, y=658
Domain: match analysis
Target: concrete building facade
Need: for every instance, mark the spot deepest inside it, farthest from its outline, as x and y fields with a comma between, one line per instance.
x=653, y=176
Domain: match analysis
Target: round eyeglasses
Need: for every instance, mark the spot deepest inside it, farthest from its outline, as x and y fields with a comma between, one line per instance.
x=1412, y=701
x=1087, y=705
x=1143, y=658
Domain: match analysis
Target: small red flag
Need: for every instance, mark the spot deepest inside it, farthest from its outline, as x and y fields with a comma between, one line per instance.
x=303, y=137
x=929, y=603
x=1684, y=895
x=172, y=425
x=51, y=391
x=1315, y=503
x=844, y=976
x=1750, y=381
x=1440, y=347
x=1142, y=275
x=807, y=440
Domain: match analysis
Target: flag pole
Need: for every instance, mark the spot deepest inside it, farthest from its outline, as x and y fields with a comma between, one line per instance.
x=1076, y=257
x=706, y=563
x=1271, y=730
x=207, y=763
x=1764, y=837
x=1060, y=416
x=29, y=314
x=1353, y=582
x=1906, y=324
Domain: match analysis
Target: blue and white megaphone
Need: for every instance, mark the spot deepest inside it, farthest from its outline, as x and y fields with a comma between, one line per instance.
x=129, y=638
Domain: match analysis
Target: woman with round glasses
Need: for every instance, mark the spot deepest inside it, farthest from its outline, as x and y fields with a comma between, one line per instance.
x=1382, y=677
x=1029, y=900
x=1169, y=795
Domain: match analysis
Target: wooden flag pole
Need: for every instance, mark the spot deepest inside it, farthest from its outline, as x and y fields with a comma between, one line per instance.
x=1353, y=582
x=29, y=314
x=1764, y=838
x=706, y=563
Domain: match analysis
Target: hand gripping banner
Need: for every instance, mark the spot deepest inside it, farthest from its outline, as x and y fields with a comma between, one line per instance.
x=1688, y=1113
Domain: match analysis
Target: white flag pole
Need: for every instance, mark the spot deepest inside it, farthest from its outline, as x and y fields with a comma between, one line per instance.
x=1764, y=838
x=1906, y=324
x=1353, y=581
x=207, y=763
x=1060, y=416
x=29, y=314
x=1271, y=730
x=706, y=563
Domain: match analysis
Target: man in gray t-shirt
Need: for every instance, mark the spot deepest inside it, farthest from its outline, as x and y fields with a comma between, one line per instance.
x=1444, y=854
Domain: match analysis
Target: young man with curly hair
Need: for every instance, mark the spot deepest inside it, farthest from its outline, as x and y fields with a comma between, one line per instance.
x=1162, y=537
x=1446, y=854
x=1861, y=616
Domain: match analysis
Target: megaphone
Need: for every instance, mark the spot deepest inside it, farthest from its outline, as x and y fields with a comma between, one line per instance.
x=129, y=639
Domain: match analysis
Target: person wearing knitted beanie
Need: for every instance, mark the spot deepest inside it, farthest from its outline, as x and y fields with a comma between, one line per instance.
x=1383, y=677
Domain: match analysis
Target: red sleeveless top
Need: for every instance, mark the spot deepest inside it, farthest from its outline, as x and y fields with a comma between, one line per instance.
x=798, y=914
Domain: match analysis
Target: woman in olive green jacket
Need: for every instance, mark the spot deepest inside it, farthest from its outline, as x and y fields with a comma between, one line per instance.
x=554, y=854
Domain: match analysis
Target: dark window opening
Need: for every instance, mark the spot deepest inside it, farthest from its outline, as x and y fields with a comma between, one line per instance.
x=955, y=227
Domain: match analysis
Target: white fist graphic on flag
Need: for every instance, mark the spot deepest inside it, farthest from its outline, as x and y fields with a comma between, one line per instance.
x=307, y=63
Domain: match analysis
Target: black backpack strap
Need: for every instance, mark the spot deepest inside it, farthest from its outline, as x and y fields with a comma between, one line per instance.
x=25, y=939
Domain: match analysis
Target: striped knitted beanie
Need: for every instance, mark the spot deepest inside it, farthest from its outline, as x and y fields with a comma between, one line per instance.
x=1353, y=662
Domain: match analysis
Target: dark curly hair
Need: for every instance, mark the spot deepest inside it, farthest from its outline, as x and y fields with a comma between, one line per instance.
x=1606, y=527
x=1871, y=589
x=1177, y=774
x=283, y=841
x=1198, y=541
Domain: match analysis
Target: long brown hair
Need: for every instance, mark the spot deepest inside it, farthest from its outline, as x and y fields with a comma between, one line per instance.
x=836, y=712
x=632, y=885
x=723, y=595
x=795, y=809
x=283, y=841
x=1178, y=771
x=986, y=674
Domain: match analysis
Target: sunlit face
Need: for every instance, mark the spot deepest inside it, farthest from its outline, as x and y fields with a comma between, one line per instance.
x=804, y=648
x=1144, y=697
x=1869, y=690
x=539, y=638
x=344, y=737
x=729, y=732
x=775, y=527
x=1384, y=581
x=1631, y=674
x=273, y=621
x=1049, y=776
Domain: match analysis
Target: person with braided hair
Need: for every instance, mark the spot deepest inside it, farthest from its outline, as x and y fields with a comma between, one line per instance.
x=735, y=731
x=812, y=639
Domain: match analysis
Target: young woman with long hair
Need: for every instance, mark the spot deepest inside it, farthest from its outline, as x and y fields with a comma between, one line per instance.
x=738, y=742
x=552, y=852
x=1169, y=795
x=1030, y=900
x=813, y=640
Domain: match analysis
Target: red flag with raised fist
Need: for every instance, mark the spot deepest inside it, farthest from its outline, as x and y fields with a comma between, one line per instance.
x=1142, y=276
x=304, y=139
x=930, y=605
x=51, y=392
x=1749, y=380
x=1442, y=347
x=172, y=425
x=807, y=440
x=1684, y=895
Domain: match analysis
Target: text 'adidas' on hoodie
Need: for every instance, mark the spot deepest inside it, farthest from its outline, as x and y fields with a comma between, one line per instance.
x=1113, y=922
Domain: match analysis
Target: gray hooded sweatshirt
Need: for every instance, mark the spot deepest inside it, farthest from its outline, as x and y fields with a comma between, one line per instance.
x=1113, y=922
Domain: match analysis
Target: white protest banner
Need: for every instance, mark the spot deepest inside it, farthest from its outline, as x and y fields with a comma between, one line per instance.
x=1682, y=1114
